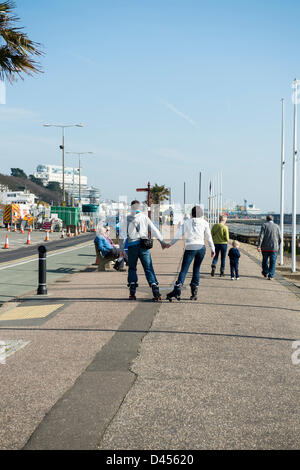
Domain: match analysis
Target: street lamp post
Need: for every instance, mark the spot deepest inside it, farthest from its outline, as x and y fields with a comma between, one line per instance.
x=200, y=187
x=62, y=147
x=79, y=154
x=295, y=159
x=282, y=182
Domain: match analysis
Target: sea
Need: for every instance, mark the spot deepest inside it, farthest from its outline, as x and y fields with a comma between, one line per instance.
x=248, y=229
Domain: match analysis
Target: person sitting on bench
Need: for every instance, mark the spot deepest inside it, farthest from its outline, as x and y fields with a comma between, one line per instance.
x=108, y=250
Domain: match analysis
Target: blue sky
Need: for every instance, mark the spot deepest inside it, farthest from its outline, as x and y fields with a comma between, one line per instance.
x=165, y=89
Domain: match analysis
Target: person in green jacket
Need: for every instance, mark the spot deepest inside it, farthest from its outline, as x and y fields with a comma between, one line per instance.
x=220, y=235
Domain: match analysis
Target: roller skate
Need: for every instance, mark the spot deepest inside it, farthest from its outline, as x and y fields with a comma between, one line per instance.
x=156, y=293
x=132, y=290
x=176, y=292
x=194, y=292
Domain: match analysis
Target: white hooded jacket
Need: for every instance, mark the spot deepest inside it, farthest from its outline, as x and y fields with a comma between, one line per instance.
x=196, y=231
x=137, y=226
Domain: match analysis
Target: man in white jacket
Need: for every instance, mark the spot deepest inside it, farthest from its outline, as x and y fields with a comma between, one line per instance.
x=196, y=229
x=138, y=228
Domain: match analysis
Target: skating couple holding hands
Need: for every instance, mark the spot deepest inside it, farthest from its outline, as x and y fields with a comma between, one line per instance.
x=196, y=230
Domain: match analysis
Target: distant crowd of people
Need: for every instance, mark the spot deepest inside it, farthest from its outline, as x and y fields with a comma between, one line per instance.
x=196, y=230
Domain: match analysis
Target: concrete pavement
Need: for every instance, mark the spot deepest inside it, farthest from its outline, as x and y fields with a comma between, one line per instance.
x=101, y=372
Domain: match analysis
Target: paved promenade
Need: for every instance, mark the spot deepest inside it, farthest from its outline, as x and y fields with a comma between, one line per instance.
x=97, y=371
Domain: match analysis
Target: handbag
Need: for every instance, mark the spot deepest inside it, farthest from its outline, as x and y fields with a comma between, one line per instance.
x=146, y=243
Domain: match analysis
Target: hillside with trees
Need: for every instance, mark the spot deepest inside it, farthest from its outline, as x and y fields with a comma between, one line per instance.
x=20, y=183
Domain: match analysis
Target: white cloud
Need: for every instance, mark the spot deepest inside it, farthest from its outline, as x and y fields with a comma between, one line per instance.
x=181, y=114
x=85, y=59
x=8, y=113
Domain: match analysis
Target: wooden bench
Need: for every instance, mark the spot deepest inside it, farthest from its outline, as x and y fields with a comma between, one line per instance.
x=104, y=264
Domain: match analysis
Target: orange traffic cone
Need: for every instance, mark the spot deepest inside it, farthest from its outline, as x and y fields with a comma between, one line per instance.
x=15, y=228
x=47, y=238
x=76, y=232
x=21, y=229
x=69, y=233
x=63, y=234
x=84, y=229
x=51, y=230
x=8, y=227
x=30, y=229
x=28, y=239
x=6, y=244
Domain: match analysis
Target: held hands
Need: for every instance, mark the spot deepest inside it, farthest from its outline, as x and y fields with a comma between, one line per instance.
x=165, y=245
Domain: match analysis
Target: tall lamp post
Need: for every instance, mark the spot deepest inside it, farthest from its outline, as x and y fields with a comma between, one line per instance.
x=79, y=154
x=282, y=183
x=295, y=159
x=62, y=147
x=200, y=187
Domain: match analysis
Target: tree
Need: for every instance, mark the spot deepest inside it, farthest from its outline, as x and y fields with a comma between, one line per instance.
x=18, y=173
x=17, y=54
x=36, y=180
x=54, y=186
x=159, y=194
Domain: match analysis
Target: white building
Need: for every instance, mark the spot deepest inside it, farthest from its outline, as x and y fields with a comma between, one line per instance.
x=17, y=197
x=90, y=195
x=53, y=173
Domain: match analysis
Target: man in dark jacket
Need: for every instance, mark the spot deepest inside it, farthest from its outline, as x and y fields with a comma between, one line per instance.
x=268, y=244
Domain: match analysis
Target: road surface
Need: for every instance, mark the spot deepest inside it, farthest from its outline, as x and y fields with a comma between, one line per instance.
x=19, y=266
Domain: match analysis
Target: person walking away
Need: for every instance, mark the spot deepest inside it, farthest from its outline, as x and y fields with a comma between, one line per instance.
x=268, y=244
x=138, y=228
x=234, y=256
x=196, y=229
x=220, y=236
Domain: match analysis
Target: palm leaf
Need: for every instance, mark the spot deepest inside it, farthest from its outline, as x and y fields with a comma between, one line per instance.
x=17, y=55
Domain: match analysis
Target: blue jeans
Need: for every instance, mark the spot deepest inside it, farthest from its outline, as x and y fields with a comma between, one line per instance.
x=188, y=257
x=234, y=268
x=135, y=252
x=269, y=263
x=220, y=247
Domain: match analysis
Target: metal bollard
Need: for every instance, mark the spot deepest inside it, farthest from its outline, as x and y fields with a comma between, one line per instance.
x=42, y=287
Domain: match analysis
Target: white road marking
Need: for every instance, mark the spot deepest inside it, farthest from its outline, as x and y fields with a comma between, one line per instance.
x=59, y=252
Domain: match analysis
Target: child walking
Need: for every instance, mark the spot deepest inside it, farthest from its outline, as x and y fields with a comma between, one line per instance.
x=234, y=256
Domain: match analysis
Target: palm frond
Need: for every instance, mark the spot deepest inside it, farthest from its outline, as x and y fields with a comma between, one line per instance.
x=17, y=55
x=7, y=18
x=13, y=65
x=18, y=40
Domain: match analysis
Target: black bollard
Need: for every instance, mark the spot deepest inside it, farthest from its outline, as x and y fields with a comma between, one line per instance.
x=42, y=287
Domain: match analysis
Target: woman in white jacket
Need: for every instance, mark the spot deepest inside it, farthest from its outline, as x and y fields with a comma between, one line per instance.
x=196, y=229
